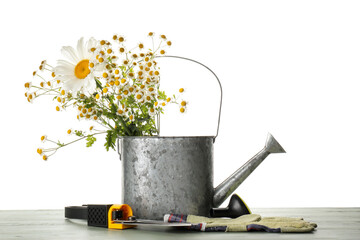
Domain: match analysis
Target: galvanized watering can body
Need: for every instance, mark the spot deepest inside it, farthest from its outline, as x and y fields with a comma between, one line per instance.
x=167, y=175
x=162, y=175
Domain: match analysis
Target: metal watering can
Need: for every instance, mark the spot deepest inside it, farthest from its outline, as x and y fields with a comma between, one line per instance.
x=162, y=175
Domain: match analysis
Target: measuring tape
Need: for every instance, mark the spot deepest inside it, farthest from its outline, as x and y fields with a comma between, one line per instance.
x=97, y=215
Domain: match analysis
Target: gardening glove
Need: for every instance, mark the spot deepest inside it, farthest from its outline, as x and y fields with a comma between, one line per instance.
x=244, y=223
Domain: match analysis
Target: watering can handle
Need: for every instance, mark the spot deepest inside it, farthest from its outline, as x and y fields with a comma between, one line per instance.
x=221, y=93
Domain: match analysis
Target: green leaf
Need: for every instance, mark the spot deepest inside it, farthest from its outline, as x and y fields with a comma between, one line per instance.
x=60, y=144
x=110, y=140
x=162, y=95
x=79, y=133
x=90, y=140
x=98, y=83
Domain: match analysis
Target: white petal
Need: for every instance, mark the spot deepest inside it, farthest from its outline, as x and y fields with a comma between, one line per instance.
x=73, y=84
x=80, y=48
x=100, y=67
x=64, y=68
x=65, y=63
x=90, y=84
x=68, y=77
x=70, y=53
x=91, y=43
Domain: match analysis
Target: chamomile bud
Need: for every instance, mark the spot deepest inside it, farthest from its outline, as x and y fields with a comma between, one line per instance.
x=122, y=49
x=44, y=157
x=62, y=92
x=151, y=34
x=57, y=108
x=169, y=43
x=126, y=62
x=43, y=138
x=168, y=99
x=40, y=151
x=139, y=97
x=28, y=85
x=121, y=39
x=131, y=89
x=148, y=98
x=181, y=90
x=105, y=90
x=69, y=131
x=182, y=109
x=152, y=112
x=134, y=56
x=183, y=103
x=91, y=128
x=162, y=52
x=30, y=97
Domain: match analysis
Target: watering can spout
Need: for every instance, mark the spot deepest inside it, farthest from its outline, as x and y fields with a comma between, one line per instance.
x=226, y=188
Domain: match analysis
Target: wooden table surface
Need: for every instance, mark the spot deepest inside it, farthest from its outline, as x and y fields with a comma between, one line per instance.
x=333, y=223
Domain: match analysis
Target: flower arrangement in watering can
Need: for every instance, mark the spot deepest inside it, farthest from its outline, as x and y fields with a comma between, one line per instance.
x=160, y=175
x=109, y=83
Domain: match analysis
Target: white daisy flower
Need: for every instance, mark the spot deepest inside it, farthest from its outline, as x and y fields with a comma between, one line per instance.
x=152, y=112
x=139, y=96
x=75, y=73
x=148, y=97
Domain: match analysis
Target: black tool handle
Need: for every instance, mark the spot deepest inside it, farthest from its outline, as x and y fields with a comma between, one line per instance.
x=236, y=208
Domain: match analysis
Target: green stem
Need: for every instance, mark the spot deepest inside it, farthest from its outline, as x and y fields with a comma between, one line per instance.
x=63, y=145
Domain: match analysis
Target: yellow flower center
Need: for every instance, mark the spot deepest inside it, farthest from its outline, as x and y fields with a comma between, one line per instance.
x=82, y=69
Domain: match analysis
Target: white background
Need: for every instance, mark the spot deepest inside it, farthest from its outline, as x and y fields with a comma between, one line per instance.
x=290, y=68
